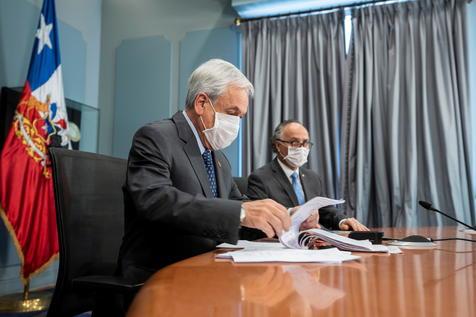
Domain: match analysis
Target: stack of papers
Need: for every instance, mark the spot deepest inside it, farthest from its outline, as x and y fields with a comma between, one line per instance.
x=252, y=245
x=291, y=249
x=288, y=255
x=290, y=238
x=348, y=244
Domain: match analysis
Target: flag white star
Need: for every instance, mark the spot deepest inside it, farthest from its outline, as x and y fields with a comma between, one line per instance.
x=43, y=34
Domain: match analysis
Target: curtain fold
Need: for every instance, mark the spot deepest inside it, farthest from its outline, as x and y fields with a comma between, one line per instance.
x=391, y=122
x=407, y=125
x=297, y=64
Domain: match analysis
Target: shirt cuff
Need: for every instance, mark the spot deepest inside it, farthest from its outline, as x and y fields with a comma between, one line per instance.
x=242, y=214
x=340, y=222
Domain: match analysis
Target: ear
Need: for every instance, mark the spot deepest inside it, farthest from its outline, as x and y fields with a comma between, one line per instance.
x=277, y=150
x=199, y=103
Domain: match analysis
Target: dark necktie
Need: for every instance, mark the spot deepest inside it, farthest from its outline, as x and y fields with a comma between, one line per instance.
x=297, y=188
x=210, y=167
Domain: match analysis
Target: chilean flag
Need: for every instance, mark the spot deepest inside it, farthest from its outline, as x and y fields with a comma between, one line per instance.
x=27, y=203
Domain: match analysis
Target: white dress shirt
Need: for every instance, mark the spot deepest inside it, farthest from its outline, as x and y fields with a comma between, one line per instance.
x=202, y=149
x=195, y=132
x=288, y=173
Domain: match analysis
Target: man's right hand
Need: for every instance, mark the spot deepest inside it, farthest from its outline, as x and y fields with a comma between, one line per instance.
x=266, y=215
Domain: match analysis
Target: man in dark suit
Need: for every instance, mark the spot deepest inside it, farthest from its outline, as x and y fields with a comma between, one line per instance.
x=180, y=198
x=287, y=182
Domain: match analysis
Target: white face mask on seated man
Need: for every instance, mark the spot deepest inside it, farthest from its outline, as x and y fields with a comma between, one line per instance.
x=297, y=155
x=224, y=131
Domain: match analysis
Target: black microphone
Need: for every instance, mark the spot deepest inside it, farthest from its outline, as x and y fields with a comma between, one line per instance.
x=428, y=206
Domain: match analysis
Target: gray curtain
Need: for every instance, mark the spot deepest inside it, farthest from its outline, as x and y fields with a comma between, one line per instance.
x=406, y=127
x=296, y=65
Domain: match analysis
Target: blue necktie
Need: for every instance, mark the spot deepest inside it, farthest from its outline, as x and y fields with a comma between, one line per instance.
x=210, y=167
x=297, y=188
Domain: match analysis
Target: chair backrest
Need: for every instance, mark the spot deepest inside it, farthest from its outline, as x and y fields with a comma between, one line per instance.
x=90, y=221
x=242, y=183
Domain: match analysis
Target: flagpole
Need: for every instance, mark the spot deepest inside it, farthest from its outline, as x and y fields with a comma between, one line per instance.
x=26, y=290
x=28, y=203
x=26, y=302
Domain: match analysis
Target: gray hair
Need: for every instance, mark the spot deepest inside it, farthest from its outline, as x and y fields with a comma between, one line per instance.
x=278, y=131
x=213, y=78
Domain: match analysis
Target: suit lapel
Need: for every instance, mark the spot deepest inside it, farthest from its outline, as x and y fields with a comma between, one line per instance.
x=219, y=165
x=284, y=181
x=193, y=152
x=306, y=184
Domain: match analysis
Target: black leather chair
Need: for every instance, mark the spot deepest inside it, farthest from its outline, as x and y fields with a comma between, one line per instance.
x=90, y=221
x=242, y=183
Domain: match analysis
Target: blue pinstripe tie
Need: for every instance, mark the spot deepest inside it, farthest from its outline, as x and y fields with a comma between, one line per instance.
x=297, y=188
x=210, y=167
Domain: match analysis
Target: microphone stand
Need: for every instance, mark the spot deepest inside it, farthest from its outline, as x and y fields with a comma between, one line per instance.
x=428, y=206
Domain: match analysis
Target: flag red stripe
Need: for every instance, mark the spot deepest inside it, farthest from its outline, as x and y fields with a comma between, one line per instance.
x=27, y=199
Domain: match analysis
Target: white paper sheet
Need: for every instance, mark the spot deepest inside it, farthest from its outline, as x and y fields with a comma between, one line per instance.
x=290, y=238
x=289, y=255
x=345, y=243
x=252, y=245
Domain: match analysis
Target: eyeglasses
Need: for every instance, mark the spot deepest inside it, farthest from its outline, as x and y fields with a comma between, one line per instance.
x=306, y=143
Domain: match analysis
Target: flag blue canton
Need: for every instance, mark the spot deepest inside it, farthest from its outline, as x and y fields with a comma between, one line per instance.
x=44, y=63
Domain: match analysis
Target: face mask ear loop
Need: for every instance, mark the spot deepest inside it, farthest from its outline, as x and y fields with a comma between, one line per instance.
x=203, y=123
x=214, y=111
x=211, y=104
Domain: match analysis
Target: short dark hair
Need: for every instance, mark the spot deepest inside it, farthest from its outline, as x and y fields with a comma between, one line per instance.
x=278, y=131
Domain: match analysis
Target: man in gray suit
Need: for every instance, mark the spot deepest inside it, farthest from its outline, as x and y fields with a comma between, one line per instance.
x=180, y=198
x=287, y=182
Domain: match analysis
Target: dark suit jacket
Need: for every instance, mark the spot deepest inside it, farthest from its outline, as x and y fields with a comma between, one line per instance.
x=170, y=212
x=270, y=181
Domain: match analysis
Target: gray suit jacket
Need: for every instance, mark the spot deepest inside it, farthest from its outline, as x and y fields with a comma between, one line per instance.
x=270, y=181
x=170, y=212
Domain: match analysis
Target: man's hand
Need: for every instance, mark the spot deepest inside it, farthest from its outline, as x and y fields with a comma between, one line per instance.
x=311, y=223
x=352, y=224
x=266, y=215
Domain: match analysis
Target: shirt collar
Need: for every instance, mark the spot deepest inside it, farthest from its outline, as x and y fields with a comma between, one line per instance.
x=195, y=132
x=287, y=170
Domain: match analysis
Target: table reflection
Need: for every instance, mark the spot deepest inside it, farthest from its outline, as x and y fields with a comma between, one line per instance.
x=435, y=282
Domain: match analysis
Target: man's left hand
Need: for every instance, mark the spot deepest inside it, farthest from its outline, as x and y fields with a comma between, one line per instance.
x=352, y=224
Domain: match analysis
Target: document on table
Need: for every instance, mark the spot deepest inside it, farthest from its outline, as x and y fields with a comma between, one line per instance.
x=252, y=245
x=289, y=255
x=289, y=248
x=290, y=238
x=348, y=244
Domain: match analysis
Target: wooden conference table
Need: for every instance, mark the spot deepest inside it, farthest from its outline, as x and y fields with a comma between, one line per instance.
x=436, y=282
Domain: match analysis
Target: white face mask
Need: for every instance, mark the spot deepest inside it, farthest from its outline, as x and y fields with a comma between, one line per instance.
x=297, y=155
x=225, y=130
